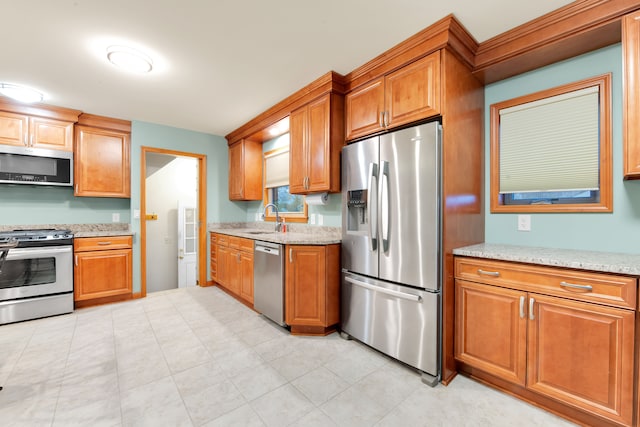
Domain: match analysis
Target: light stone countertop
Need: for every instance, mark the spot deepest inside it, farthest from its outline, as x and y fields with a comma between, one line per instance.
x=296, y=234
x=79, y=230
x=607, y=262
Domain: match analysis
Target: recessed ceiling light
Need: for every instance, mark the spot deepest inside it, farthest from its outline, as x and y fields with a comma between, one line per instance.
x=21, y=93
x=129, y=59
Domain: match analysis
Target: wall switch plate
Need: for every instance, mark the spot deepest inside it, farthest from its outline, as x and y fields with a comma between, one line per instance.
x=136, y=214
x=524, y=222
x=257, y=217
x=312, y=219
x=115, y=217
x=320, y=219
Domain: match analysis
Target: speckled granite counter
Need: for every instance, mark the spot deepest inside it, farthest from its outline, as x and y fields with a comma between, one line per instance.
x=80, y=230
x=296, y=234
x=607, y=262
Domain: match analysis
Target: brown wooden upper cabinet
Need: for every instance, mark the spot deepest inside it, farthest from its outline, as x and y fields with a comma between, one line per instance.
x=245, y=170
x=53, y=130
x=631, y=58
x=406, y=95
x=102, y=165
x=316, y=133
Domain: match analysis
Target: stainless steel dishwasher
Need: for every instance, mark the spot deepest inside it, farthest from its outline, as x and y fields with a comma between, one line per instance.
x=268, y=280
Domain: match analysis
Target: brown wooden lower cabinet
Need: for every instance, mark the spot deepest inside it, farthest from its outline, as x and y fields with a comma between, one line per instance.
x=312, y=289
x=232, y=265
x=575, y=355
x=102, y=269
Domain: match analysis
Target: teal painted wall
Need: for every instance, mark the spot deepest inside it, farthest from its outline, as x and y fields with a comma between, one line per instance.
x=331, y=212
x=219, y=208
x=614, y=232
x=34, y=205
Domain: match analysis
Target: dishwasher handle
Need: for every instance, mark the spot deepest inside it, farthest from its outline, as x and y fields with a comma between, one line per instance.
x=267, y=250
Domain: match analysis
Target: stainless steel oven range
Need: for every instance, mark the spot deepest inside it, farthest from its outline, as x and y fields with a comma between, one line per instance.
x=36, y=274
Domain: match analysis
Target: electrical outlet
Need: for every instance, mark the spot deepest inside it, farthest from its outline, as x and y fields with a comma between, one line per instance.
x=524, y=222
x=312, y=219
x=115, y=217
x=320, y=219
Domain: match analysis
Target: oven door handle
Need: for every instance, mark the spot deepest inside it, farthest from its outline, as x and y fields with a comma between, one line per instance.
x=25, y=253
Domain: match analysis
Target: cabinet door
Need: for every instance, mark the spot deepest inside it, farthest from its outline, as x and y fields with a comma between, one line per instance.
x=102, y=163
x=319, y=146
x=246, y=276
x=99, y=274
x=631, y=67
x=233, y=271
x=223, y=265
x=245, y=170
x=298, y=157
x=51, y=134
x=14, y=129
x=582, y=354
x=305, y=286
x=491, y=329
x=236, y=172
x=364, y=107
x=413, y=92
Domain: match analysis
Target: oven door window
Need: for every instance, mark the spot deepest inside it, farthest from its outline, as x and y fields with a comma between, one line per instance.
x=28, y=272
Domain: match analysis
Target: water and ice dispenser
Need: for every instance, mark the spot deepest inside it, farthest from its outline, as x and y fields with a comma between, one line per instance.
x=357, y=217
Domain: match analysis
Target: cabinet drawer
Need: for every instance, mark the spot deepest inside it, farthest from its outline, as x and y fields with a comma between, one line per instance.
x=246, y=245
x=234, y=242
x=603, y=288
x=83, y=244
x=223, y=239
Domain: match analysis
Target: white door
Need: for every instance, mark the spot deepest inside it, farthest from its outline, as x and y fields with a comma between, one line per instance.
x=187, y=245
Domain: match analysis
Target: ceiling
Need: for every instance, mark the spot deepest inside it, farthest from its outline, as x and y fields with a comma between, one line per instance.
x=217, y=63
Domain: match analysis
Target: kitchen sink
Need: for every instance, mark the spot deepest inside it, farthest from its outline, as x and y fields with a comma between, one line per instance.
x=260, y=232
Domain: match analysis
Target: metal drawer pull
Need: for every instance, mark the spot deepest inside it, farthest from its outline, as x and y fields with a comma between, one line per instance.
x=489, y=273
x=531, y=315
x=522, y=307
x=104, y=243
x=574, y=286
x=397, y=294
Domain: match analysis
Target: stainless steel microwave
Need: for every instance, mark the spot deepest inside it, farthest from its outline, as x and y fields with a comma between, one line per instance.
x=28, y=165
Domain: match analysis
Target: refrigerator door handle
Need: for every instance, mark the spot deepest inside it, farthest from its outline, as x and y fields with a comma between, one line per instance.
x=384, y=202
x=410, y=297
x=372, y=210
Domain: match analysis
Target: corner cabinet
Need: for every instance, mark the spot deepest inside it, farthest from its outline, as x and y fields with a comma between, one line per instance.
x=564, y=338
x=102, y=162
x=245, y=170
x=102, y=269
x=631, y=73
x=312, y=289
x=406, y=95
x=316, y=139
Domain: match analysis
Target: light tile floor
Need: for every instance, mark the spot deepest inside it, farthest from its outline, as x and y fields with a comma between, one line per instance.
x=197, y=357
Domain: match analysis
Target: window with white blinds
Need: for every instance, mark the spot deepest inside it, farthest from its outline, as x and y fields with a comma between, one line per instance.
x=551, y=144
x=551, y=150
x=276, y=169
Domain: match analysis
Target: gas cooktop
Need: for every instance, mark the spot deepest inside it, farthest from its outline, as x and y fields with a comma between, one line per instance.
x=38, y=237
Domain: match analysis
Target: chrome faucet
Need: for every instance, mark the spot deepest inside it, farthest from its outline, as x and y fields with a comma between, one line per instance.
x=275, y=209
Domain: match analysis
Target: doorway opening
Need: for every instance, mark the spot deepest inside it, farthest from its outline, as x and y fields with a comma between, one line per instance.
x=173, y=219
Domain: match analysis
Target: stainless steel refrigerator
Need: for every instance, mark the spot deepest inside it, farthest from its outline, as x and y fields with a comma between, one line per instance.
x=391, y=245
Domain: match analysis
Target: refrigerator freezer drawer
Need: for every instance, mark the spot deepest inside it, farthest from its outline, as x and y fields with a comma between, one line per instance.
x=399, y=321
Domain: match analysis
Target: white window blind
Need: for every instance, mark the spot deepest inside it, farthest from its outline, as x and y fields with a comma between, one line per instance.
x=551, y=144
x=277, y=169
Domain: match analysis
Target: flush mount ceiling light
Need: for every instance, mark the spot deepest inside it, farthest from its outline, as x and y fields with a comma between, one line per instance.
x=21, y=93
x=129, y=59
